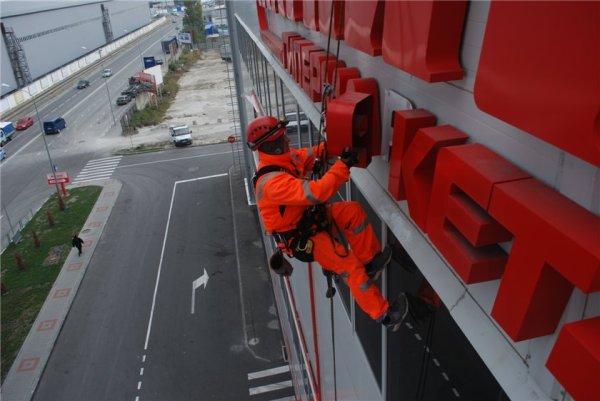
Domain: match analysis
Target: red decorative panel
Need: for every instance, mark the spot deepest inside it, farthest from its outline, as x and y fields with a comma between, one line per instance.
x=297, y=58
x=293, y=9
x=337, y=31
x=370, y=87
x=405, y=125
x=328, y=69
x=575, y=359
x=342, y=77
x=363, y=25
x=305, y=54
x=263, y=22
x=418, y=167
x=316, y=74
x=457, y=222
x=548, y=85
x=347, y=122
x=423, y=38
x=310, y=14
x=556, y=247
x=291, y=54
x=286, y=36
x=274, y=43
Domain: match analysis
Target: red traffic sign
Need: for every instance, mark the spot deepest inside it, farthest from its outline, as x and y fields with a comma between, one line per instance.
x=62, y=177
x=231, y=139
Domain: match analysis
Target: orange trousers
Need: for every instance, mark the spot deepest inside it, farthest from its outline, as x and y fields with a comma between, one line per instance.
x=353, y=222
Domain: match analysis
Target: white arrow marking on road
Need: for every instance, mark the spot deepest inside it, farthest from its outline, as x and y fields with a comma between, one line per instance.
x=200, y=281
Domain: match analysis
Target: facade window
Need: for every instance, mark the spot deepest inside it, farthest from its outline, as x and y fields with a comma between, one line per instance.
x=429, y=358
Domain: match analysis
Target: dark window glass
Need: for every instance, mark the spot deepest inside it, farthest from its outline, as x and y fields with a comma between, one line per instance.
x=452, y=369
x=368, y=330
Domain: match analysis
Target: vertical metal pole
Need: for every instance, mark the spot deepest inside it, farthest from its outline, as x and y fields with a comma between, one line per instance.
x=107, y=90
x=276, y=95
x=282, y=98
x=298, y=125
x=60, y=201
x=268, y=85
x=310, y=132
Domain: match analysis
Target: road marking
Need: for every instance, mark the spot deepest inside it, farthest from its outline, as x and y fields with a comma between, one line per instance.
x=290, y=398
x=137, y=398
x=162, y=252
x=170, y=160
x=90, y=179
x=139, y=385
x=445, y=376
x=456, y=393
x=270, y=387
x=269, y=372
x=144, y=358
x=98, y=169
x=200, y=281
x=141, y=371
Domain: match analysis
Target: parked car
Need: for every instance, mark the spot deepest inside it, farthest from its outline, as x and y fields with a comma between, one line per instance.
x=24, y=123
x=54, y=126
x=83, y=84
x=181, y=135
x=132, y=91
x=106, y=73
x=6, y=132
x=158, y=61
x=123, y=99
x=2, y=154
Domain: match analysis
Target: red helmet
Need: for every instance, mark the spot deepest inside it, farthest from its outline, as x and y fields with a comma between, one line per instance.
x=264, y=129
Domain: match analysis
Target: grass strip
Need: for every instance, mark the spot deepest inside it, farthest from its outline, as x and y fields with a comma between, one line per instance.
x=27, y=289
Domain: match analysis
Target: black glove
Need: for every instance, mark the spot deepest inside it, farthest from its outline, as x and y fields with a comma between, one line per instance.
x=349, y=156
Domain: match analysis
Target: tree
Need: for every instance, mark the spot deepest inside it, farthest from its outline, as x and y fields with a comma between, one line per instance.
x=193, y=21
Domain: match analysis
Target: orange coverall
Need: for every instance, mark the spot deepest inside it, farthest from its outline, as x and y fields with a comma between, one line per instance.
x=296, y=192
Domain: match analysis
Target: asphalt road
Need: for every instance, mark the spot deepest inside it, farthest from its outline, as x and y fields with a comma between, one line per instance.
x=130, y=334
x=23, y=183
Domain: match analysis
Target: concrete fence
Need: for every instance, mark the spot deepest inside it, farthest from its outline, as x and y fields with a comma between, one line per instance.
x=46, y=82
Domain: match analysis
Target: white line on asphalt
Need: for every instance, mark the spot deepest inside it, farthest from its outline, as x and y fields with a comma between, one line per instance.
x=239, y=273
x=290, y=398
x=162, y=252
x=141, y=371
x=77, y=181
x=144, y=358
x=269, y=372
x=139, y=385
x=137, y=398
x=270, y=387
x=103, y=163
x=96, y=175
x=170, y=160
x=95, y=171
x=106, y=158
x=98, y=168
x=445, y=376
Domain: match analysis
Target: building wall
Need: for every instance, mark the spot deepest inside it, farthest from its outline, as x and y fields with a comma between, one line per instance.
x=453, y=103
x=52, y=34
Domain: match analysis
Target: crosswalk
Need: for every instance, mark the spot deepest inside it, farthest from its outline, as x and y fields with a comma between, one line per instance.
x=98, y=169
x=274, y=384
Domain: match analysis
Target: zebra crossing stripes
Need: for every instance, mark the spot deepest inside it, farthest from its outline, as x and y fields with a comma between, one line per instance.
x=98, y=169
x=274, y=384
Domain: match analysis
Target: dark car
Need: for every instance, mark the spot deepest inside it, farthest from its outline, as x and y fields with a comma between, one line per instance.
x=123, y=99
x=54, y=126
x=24, y=123
x=159, y=61
x=83, y=84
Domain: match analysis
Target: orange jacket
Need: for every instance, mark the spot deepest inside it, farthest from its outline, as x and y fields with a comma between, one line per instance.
x=282, y=197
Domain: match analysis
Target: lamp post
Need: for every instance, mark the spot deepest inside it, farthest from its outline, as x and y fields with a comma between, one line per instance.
x=61, y=203
x=137, y=44
x=112, y=112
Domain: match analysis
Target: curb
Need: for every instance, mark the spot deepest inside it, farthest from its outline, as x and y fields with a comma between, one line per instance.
x=28, y=366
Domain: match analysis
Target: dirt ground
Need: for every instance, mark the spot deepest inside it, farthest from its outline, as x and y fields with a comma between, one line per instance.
x=202, y=103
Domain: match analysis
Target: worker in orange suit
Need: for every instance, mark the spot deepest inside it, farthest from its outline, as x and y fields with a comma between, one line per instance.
x=337, y=235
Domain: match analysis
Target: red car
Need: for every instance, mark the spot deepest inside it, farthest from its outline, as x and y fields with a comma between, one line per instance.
x=24, y=123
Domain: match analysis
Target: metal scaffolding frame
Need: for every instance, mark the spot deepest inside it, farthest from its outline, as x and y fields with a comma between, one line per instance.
x=16, y=54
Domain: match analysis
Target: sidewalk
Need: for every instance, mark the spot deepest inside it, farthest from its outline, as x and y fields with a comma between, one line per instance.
x=24, y=374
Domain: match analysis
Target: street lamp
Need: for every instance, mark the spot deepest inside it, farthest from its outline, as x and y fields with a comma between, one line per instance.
x=106, y=85
x=137, y=44
x=61, y=203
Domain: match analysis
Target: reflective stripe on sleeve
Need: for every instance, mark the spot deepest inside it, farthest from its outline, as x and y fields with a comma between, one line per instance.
x=361, y=227
x=263, y=181
x=308, y=193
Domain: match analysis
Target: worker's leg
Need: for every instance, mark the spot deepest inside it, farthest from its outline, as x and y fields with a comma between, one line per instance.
x=352, y=219
x=367, y=295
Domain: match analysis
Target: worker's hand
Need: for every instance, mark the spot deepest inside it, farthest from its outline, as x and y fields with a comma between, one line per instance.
x=349, y=156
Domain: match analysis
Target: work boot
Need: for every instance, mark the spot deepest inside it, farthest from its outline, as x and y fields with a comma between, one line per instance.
x=378, y=263
x=396, y=313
